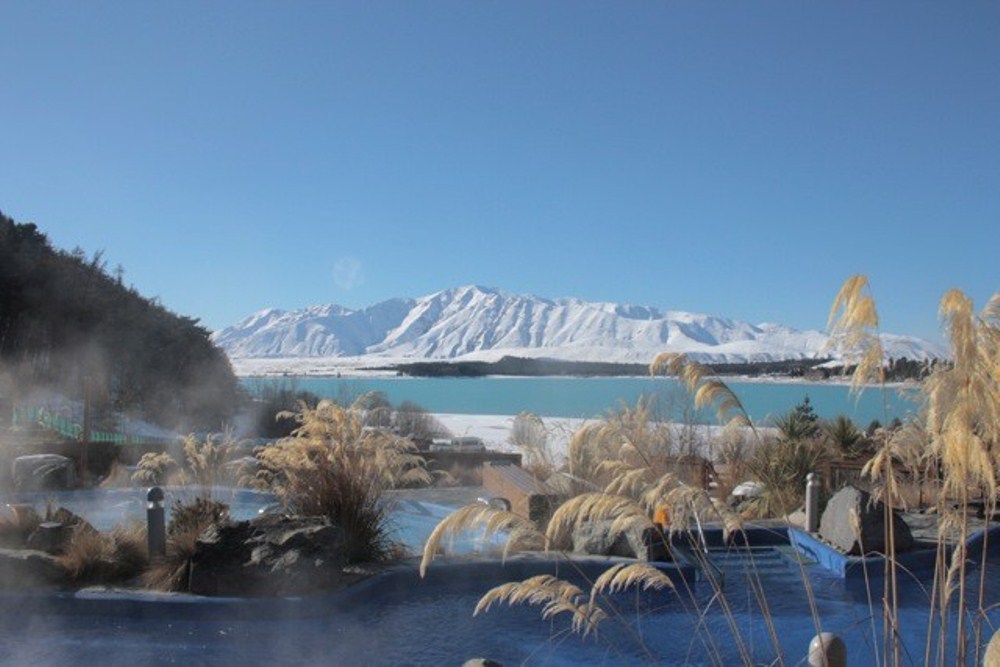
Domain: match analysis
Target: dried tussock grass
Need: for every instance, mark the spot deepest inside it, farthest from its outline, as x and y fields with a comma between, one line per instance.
x=958, y=443
x=171, y=572
x=556, y=597
x=334, y=465
x=521, y=534
x=529, y=434
x=624, y=513
x=187, y=522
x=707, y=391
x=331, y=433
x=853, y=325
x=689, y=507
x=206, y=458
x=963, y=424
x=154, y=468
x=963, y=402
x=627, y=575
x=105, y=558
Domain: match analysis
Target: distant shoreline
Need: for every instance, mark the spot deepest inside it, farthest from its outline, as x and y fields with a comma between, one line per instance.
x=782, y=372
x=509, y=367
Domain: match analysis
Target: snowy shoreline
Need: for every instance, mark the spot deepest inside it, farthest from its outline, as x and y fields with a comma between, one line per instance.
x=246, y=369
x=494, y=430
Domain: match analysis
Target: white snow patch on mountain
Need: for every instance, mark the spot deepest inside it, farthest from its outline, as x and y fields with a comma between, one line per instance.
x=485, y=324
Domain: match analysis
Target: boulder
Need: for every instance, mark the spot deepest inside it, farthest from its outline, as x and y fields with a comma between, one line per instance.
x=268, y=555
x=25, y=568
x=596, y=538
x=52, y=534
x=16, y=523
x=50, y=537
x=71, y=521
x=867, y=531
x=38, y=472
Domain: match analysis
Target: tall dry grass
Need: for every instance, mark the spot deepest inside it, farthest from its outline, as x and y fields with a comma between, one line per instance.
x=334, y=465
x=628, y=461
x=203, y=461
x=529, y=434
x=955, y=446
x=171, y=572
x=91, y=557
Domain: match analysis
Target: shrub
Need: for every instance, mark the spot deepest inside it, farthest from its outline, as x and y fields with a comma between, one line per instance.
x=195, y=516
x=154, y=469
x=336, y=466
x=412, y=421
x=781, y=466
x=171, y=572
x=528, y=433
x=205, y=459
x=845, y=438
x=105, y=558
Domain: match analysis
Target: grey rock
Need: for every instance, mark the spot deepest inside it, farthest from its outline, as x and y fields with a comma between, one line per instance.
x=596, y=538
x=71, y=521
x=26, y=568
x=50, y=537
x=837, y=526
x=43, y=471
x=17, y=525
x=269, y=555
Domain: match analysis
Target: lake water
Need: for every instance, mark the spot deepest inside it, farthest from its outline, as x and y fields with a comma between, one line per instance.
x=593, y=397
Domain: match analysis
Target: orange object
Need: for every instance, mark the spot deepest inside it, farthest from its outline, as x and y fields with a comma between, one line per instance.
x=661, y=517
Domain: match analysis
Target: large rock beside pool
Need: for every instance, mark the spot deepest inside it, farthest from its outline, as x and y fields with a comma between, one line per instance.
x=855, y=525
x=598, y=539
x=39, y=472
x=269, y=555
x=25, y=568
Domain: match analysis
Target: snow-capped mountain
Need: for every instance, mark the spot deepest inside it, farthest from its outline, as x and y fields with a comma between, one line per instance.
x=478, y=323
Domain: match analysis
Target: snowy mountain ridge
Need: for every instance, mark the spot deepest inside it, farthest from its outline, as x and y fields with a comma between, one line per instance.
x=485, y=324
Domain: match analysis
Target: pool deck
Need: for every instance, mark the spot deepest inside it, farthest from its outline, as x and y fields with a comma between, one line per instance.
x=919, y=562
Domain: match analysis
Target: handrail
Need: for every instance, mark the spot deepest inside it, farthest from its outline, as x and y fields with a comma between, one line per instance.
x=72, y=430
x=702, y=561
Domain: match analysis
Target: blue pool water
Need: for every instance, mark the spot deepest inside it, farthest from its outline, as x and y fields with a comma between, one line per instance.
x=397, y=618
x=591, y=397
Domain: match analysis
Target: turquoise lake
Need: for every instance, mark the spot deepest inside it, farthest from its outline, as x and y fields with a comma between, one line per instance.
x=593, y=397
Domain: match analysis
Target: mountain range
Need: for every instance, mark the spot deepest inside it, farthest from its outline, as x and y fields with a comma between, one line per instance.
x=485, y=324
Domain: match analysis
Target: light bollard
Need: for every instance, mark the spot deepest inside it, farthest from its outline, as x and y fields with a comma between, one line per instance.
x=812, y=502
x=827, y=650
x=156, y=529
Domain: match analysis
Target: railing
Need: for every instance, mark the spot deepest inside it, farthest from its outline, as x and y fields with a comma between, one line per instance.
x=71, y=430
x=914, y=488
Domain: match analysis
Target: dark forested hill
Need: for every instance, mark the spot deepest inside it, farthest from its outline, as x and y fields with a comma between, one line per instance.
x=66, y=325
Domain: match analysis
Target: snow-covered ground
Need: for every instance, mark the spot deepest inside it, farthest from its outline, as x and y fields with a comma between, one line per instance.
x=495, y=431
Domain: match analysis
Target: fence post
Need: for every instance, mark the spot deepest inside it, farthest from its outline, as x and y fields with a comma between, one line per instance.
x=827, y=650
x=812, y=502
x=156, y=530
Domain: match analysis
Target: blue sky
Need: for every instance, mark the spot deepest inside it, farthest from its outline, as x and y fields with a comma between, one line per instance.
x=739, y=159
